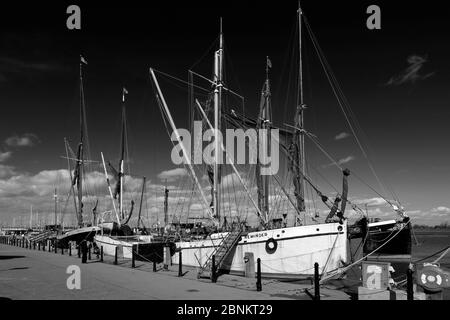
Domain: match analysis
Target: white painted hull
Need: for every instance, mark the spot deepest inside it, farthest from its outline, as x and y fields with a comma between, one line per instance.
x=298, y=248
x=124, y=247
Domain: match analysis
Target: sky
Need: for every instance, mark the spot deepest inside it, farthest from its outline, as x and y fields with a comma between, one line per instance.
x=395, y=80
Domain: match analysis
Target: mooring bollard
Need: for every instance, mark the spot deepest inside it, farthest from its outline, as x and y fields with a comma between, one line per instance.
x=166, y=258
x=409, y=285
x=154, y=266
x=101, y=253
x=316, y=282
x=213, y=269
x=258, y=275
x=115, y=256
x=180, y=264
x=133, y=264
x=84, y=250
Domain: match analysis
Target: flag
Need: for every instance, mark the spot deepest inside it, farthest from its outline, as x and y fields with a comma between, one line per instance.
x=269, y=63
x=82, y=60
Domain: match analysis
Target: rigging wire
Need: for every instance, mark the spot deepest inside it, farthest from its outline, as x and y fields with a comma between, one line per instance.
x=342, y=101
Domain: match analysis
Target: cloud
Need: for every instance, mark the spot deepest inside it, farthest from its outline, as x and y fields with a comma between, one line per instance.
x=13, y=67
x=346, y=160
x=340, y=162
x=342, y=136
x=371, y=202
x=173, y=175
x=411, y=73
x=5, y=156
x=26, y=140
x=441, y=210
x=6, y=171
x=196, y=207
x=232, y=180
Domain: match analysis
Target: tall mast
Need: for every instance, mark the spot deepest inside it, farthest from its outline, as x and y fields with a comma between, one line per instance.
x=301, y=108
x=267, y=118
x=31, y=217
x=264, y=119
x=80, y=147
x=218, y=68
x=122, y=154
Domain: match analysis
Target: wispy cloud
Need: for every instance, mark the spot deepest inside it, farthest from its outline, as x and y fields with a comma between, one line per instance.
x=172, y=175
x=441, y=211
x=5, y=156
x=342, y=136
x=411, y=73
x=26, y=140
x=340, y=161
x=13, y=67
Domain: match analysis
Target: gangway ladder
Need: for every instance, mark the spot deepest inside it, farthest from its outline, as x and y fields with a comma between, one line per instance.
x=221, y=253
x=42, y=236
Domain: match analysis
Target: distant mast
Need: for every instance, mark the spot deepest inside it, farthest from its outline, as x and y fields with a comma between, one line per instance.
x=142, y=198
x=31, y=217
x=55, y=196
x=166, y=205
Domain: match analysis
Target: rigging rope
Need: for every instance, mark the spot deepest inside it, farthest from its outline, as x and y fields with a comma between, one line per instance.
x=342, y=101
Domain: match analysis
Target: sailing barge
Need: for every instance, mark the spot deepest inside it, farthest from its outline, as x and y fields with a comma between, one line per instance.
x=290, y=251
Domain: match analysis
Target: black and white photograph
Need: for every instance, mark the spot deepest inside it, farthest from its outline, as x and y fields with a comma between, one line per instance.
x=228, y=157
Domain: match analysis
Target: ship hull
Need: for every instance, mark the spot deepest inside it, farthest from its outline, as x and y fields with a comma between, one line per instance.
x=146, y=249
x=77, y=235
x=296, y=250
x=389, y=242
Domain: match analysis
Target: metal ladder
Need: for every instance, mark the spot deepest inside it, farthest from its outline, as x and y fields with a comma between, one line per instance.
x=42, y=236
x=221, y=253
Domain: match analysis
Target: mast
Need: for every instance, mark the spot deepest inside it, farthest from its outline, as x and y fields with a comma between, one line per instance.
x=55, y=196
x=263, y=122
x=122, y=154
x=267, y=118
x=142, y=197
x=31, y=217
x=166, y=205
x=218, y=68
x=80, y=148
x=300, y=120
x=163, y=104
